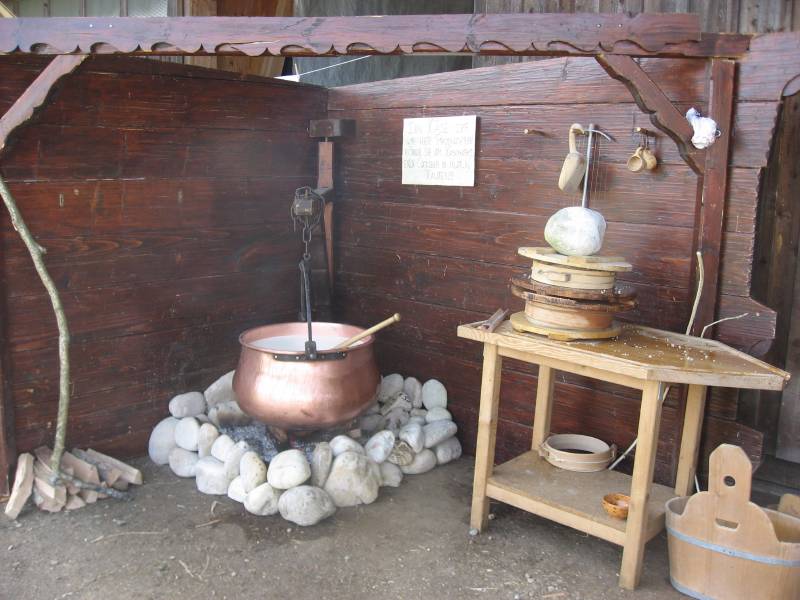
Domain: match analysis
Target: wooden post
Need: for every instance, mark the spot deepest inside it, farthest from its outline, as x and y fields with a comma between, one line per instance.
x=636, y=530
x=487, y=434
x=543, y=410
x=690, y=439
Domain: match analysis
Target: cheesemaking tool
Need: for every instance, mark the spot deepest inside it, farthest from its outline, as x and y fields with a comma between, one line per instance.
x=358, y=337
x=574, y=167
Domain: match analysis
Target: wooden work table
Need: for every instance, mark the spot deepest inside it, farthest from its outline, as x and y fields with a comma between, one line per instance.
x=642, y=358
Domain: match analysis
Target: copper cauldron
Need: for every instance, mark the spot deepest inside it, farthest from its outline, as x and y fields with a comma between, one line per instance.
x=284, y=389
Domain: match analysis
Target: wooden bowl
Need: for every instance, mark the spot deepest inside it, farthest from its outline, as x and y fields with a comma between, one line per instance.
x=616, y=505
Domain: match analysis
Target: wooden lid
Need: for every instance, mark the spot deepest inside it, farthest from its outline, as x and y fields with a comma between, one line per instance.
x=619, y=293
x=616, y=264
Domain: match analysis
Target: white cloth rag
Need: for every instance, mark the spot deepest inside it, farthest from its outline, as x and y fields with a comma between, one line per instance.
x=705, y=129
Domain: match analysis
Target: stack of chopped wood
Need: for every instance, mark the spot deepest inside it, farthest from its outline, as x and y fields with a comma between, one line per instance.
x=89, y=472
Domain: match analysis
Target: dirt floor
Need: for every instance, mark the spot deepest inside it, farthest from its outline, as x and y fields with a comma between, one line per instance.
x=413, y=542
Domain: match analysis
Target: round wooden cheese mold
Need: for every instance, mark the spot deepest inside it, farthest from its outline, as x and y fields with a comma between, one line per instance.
x=618, y=293
x=572, y=277
x=615, y=264
x=520, y=322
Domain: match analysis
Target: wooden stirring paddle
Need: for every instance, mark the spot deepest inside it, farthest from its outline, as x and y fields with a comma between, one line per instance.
x=367, y=332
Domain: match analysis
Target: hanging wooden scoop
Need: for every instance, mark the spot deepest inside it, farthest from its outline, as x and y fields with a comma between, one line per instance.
x=574, y=166
x=367, y=332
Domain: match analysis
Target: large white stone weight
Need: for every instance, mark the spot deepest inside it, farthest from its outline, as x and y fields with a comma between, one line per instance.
x=576, y=231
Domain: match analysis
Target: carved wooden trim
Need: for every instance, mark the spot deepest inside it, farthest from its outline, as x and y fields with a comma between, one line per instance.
x=518, y=34
x=649, y=97
x=36, y=93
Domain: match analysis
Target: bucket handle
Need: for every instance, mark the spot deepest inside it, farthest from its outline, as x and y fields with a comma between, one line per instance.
x=730, y=475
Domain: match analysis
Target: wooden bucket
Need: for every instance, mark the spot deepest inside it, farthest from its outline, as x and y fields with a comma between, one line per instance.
x=722, y=546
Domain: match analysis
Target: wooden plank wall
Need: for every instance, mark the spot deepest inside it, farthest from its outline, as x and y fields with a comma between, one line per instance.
x=161, y=193
x=443, y=256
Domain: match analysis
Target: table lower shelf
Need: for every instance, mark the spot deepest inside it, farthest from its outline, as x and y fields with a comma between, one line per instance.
x=573, y=499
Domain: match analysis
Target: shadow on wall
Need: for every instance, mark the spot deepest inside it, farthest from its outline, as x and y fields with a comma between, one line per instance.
x=376, y=68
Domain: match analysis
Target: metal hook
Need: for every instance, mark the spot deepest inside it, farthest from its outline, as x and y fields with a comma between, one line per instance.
x=605, y=135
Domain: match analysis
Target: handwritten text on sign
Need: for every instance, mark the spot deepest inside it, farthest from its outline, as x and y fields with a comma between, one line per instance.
x=439, y=151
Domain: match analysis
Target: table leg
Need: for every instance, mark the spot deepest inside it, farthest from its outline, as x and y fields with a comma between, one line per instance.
x=690, y=439
x=487, y=432
x=544, y=407
x=636, y=529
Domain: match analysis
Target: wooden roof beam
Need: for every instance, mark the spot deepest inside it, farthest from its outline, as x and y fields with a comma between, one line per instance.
x=646, y=34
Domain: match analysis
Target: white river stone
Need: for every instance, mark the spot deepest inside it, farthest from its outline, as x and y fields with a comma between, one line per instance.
x=422, y=463
x=206, y=437
x=210, y=476
x=438, y=414
x=371, y=422
x=413, y=435
x=575, y=231
x=395, y=420
x=306, y=505
x=434, y=394
x=252, y=470
x=321, y=460
x=288, y=469
x=186, y=432
x=236, y=490
x=183, y=462
x=262, y=501
x=448, y=450
x=342, y=443
x=221, y=446
x=391, y=385
x=228, y=414
x=162, y=441
x=400, y=402
x=220, y=391
x=416, y=419
x=190, y=404
x=352, y=480
x=438, y=431
x=379, y=446
x=413, y=389
x=391, y=475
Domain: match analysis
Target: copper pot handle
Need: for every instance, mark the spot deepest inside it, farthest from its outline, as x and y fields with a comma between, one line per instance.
x=367, y=332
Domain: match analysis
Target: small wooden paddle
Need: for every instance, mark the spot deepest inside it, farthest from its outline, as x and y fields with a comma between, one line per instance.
x=367, y=332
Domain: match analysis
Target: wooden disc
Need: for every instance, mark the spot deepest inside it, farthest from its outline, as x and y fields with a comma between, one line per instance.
x=619, y=293
x=620, y=305
x=521, y=323
x=615, y=264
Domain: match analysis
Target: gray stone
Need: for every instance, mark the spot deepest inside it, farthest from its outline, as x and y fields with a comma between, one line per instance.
x=190, y=404
x=228, y=414
x=419, y=412
x=448, y=450
x=391, y=475
x=352, y=480
x=288, y=469
x=413, y=435
x=402, y=454
x=438, y=431
x=391, y=385
x=183, y=462
x=220, y=391
x=380, y=446
x=306, y=505
x=234, y=458
x=321, y=460
x=371, y=422
x=413, y=389
x=434, y=394
x=373, y=408
x=186, y=433
x=221, y=446
x=400, y=402
x=236, y=490
x=252, y=471
x=422, y=463
x=210, y=476
x=202, y=418
x=342, y=443
x=575, y=231
x=162, y=441
x=206, y=437
x=262, y=501
x=438, y=414
x=395, y=420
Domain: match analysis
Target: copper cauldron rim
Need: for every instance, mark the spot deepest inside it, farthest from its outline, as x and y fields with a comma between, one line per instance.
x=283, y=328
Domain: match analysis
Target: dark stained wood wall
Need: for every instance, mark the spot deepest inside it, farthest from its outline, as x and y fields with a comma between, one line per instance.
x=443, y=255
x=161, y=193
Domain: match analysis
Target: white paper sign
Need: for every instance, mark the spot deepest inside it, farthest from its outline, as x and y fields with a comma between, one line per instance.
x=439, y=151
